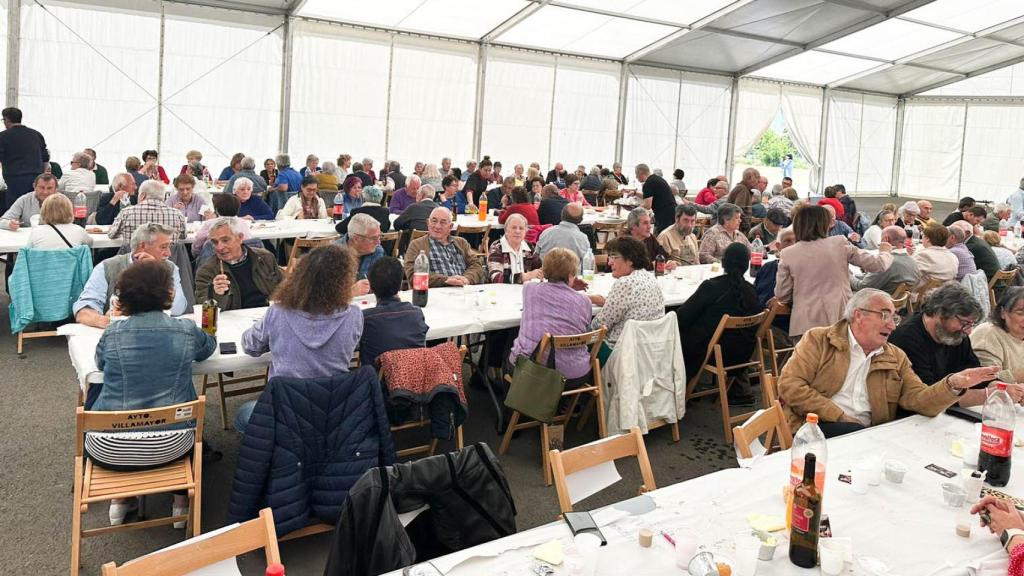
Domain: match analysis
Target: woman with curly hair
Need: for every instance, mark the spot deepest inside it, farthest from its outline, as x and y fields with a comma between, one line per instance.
x=311, y=328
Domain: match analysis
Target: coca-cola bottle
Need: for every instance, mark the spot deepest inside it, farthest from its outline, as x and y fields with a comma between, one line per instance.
x=756, y=256
x=81, y=208
x=997, y=421
x=338, y=211
x=420, y=280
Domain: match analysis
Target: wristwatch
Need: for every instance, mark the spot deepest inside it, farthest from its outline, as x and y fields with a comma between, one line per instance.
x=1008, y=535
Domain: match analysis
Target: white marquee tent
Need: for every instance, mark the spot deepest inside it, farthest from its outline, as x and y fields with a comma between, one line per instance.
x=920, y=98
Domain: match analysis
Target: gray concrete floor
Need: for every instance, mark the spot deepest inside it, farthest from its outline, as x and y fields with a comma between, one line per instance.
x=37, y=425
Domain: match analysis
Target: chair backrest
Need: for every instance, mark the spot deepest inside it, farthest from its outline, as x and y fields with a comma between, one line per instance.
x=775, y=309
x=902, y=303
x=925, y=287
x=484, y=230
x=564, y=463
x=734, y=323
x=135, y=420
x=395, y=237
x=201, y=551
x=1002, y=277
x=591, y=339
x=770, y=422
x=418, y=234
x=307, y=244
x=901, y=289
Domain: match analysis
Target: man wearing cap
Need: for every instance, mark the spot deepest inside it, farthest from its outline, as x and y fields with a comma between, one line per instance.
x=768, y=230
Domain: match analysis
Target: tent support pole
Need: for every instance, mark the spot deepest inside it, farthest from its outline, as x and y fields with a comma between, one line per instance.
x=963, y=141
x=13, y=51
x=826, y=95
x=730, y=153
x=620, y=122
x=897, y=152
x=286, y=85
x=478, y=103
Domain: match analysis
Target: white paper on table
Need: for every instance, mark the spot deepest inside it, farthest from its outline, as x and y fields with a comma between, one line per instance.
x=757, y=450
x=495, y=548
x=591, y=480
x=226, y=567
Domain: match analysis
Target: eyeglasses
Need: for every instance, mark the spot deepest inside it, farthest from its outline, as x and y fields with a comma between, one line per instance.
x=1019, y=312
x=886, y=315
x=966, y=324
x=438, y=221
x=370, y=238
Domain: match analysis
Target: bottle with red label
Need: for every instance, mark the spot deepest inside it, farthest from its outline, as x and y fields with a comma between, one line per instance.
x=81, y=208
x=338, y=210
x=756, y=256
x=420, y=280
x=806, y=513
x=997, y=421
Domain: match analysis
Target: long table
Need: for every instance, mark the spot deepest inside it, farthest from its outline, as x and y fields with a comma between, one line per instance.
x=450, y=312
x=589, y=217
x=261, y=230
x=907, y=526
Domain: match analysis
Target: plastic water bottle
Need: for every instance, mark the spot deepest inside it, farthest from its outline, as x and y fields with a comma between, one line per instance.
x=1016, y=230
x=81, y=209
x=808, y=439
x=588, y=267
x=997, y=421
x=339, y=207
x=420, y=280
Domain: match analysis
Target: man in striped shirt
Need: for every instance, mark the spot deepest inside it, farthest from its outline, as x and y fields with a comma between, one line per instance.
x=151, y=208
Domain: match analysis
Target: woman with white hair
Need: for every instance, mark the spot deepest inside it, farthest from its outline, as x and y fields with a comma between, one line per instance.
x=431, y=175
x=511, y=259
x=908, y=214
x=372, y=197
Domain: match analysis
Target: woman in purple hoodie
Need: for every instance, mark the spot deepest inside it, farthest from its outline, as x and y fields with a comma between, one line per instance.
x=311, y=328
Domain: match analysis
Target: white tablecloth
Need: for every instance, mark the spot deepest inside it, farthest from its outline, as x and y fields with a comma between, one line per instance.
x=907, y=525
x=449, y=312
x=262, y=230
x=589, y=217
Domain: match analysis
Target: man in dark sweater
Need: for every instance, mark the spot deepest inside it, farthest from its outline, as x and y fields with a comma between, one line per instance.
x=743, y=196
x=110, y=203
x=984, y=257
x=476, y=184
x=22, y=154
x=936, y=339
x=658, y=197
x=551, y=204
x=415, y=216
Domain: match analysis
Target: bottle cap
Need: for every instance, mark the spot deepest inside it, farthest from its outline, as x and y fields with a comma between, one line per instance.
x=812, y=418
x=275, y=570
x=1000, y=385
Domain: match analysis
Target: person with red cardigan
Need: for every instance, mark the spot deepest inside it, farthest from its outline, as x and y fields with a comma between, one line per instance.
x=520, y=205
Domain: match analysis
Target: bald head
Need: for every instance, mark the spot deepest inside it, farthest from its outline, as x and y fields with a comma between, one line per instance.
x=573, y=212
x=966, y=227
x=894, y=235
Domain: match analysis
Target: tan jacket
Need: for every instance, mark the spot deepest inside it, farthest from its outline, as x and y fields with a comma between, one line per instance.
x=815, y=277
x=818, y=368
x=682, y=250
x=474, y=270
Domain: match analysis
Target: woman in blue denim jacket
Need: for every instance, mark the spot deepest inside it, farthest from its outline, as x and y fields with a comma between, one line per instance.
x=147, y=363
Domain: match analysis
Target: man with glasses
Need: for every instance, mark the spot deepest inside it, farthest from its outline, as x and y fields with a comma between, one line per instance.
x=851, y=376
x=363, y=237
x=937, y=340
x=452, y=262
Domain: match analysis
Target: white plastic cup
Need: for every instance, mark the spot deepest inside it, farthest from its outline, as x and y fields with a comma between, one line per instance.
x=687, y=542
x=197, y=314
x=972, y=485
x=831, y=555
x=875, y=475
x=861, y=477
x=34, y=220
x=588, y=546
x=972, y=446
x=748, y=547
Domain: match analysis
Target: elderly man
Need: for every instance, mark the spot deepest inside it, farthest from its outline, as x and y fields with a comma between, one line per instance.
x=981, y=253
x=415, y=216
x=742, y=195
x=678, y=240
x=405, y=196
x=452, y=262
x=768, y=230
x=470, y=168
x=80, y=178
x=23, y=155
x=718, y=237
x=394, y=171
x=839, y=228
x=1016, y=202
x=247, y=169
x=25, y=207
x=149, y=242
x=1000, y=212
x=552, y=204
x=852, y=377
x=151, y=208
x=240, y=276
x=764, y=282
x=286, y=184
x=937, y=341
x=566, y=234
x=926, y=209
x=446, y=166
x=640, y=227
x=123, y=195
x=557, y=175
x=101, y=173
x=363, y=237
x=903, y=267
x=965, y=260
x=657, y=197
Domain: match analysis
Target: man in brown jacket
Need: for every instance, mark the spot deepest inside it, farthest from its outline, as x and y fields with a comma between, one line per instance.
x=452, y=261
x=238, y=276
x=852, y=377
x=742, y=195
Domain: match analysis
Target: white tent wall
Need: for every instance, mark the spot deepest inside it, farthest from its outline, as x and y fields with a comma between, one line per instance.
x=861, y=136
x=517, y=108
x=703, y=132
x=993, y=161
x=652, y=101
x=586, y=103
x=930, y=157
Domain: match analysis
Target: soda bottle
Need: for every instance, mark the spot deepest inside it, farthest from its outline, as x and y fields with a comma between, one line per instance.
x=806, y=513
x=997, y=421
x=756, y=256
x=1016, y=230
x=275, y=570
x=659, y=265
x=1004, y=228
x=339, y=207
x=482, y=214
x=809, y=439
x=81, y=209
x=420, y=280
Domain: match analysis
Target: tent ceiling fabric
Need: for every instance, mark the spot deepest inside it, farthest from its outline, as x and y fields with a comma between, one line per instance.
x=898, y=47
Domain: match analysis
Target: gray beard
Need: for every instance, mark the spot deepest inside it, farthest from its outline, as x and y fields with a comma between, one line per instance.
x=684, y=232
x=948, y=338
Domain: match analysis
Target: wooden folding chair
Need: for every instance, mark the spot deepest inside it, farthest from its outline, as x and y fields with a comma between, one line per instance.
x=924, y=288
x=306, y=244
x=395, y=237
x=771, y=423
x=605, y=232
x=564, y=463
x=190, y=556
x=484, y=230
x=424, y=422
x=225, y=394
x=902, y=304
x=417, y=234
x=904, y=288
x=594, y=390
x=775, y=353
x=719, y=370
x=93, y=483
x=1002, y=277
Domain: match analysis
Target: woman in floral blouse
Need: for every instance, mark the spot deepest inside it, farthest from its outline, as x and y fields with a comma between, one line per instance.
x=635, y=294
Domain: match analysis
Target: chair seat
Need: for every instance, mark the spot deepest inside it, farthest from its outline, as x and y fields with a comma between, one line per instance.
x=102, y=484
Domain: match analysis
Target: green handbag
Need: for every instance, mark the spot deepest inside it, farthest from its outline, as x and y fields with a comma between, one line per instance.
x=536, y=390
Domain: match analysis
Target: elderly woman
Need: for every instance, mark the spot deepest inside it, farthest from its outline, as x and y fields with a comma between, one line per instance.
x=372, y=197
x=571, y=192
x=873, y=235
x=56, y=229
x=145, y=372
x=1000, y=341
x=431, y=175
x=814, y=273
x=640, y=227
x=312, y=328
x=312, y=166
x=933, y=259
x=725, y=232
x=269, y=172
x=234, y=166
x=635, y=295
x=908, y=214
x=151, y=167
x=1005, y=256
x=252, y=207
x=520, y=204
x=553, y=307
x=353, y=190
x=224, y=205
x=344, y=166
x=306, y=205
x=328, y=178
x=511, y=259
x=186, y=201
x=194, y=166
